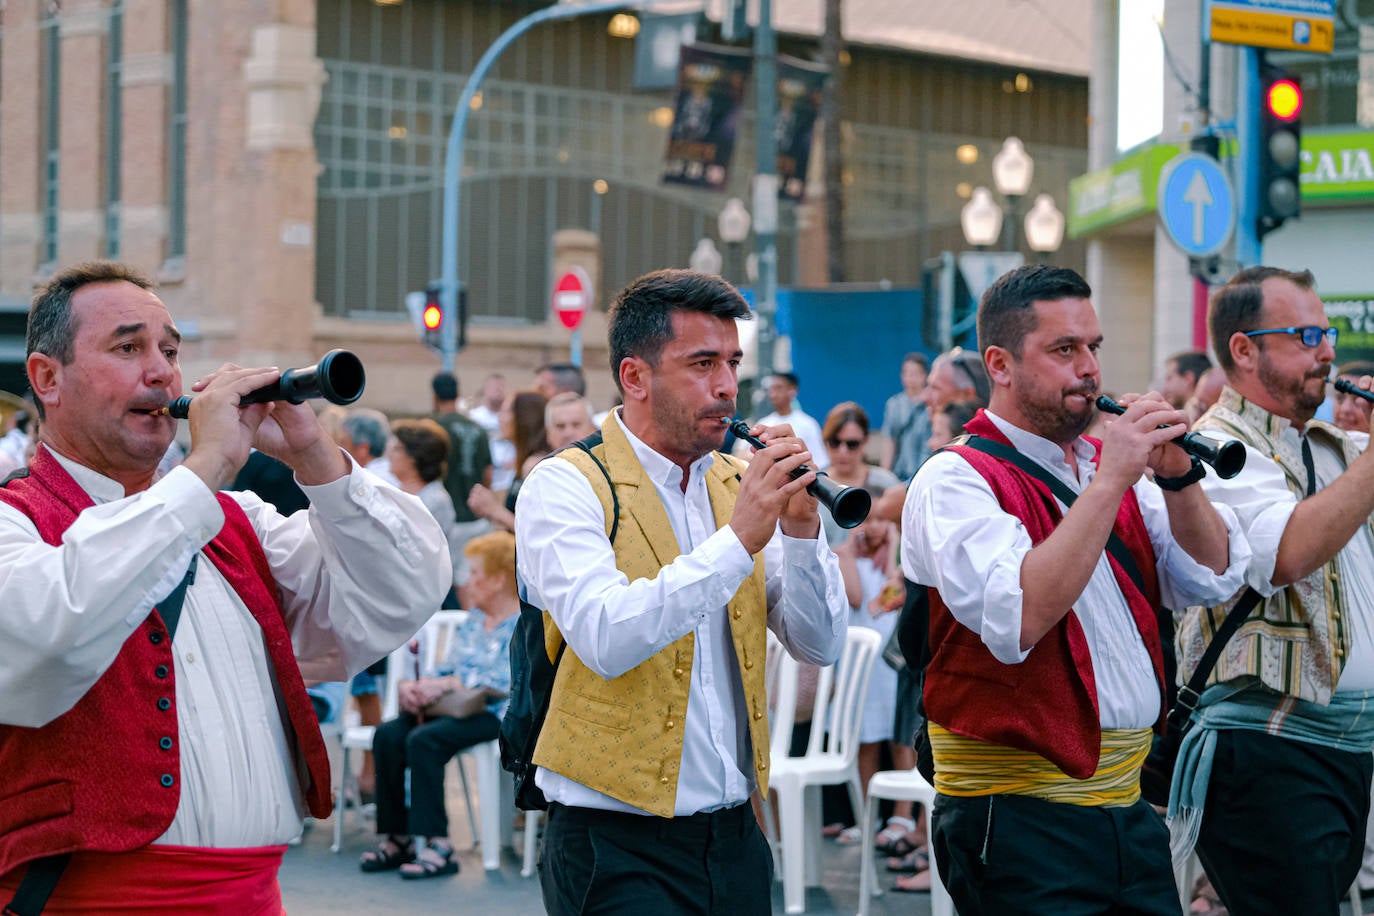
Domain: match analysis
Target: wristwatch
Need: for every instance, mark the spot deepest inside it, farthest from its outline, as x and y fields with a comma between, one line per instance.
x=1193, y=475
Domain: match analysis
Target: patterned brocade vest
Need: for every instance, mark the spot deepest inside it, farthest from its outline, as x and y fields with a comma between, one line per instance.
x=623, y=737
x=1296, y=642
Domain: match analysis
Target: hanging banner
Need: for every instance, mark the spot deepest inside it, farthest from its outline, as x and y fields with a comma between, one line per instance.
x=799, y=100
x=1353, y=315
x=710, y=95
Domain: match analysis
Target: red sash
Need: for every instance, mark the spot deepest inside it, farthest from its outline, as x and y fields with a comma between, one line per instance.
x=165, y=881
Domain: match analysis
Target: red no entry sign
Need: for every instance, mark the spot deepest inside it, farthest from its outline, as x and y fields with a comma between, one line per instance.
x=572, y=296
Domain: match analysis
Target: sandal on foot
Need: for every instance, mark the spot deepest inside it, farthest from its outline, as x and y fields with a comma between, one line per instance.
x=830, y=831
x=850, y=836
x=918, y=883
x=388, y=856
x=434, y=862
x=892, y=839
x=911, y=863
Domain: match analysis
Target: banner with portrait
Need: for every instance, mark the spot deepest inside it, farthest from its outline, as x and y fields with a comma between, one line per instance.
x=799, y=100
x=710, y=96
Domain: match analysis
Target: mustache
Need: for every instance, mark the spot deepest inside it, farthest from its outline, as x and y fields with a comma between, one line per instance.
x=721, y=409
x=1088, y=388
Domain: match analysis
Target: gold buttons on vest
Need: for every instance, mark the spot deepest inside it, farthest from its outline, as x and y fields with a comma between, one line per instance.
x=670, y=723
x=663, y=779
x=737, y=615
x=757, y=715
x=677, y=672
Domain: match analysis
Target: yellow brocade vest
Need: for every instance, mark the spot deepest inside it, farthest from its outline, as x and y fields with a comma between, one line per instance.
x=623, y=737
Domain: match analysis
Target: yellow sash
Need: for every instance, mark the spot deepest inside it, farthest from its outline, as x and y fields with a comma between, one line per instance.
x=967, y=767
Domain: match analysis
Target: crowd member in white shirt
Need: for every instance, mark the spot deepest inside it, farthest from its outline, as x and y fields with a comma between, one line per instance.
x=208, y=754
x=665, y=624
x=1047, y=673
x=782, y=388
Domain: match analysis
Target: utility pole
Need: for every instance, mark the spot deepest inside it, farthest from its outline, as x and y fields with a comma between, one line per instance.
x=766, y=182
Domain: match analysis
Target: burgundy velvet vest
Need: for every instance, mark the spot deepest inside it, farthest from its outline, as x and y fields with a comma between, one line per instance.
x=106, y=775
x=1047, y=704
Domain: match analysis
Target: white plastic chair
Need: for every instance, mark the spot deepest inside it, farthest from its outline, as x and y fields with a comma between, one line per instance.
x=831, y=756
x=899, y=785
x=495, y=799
x=433, y=639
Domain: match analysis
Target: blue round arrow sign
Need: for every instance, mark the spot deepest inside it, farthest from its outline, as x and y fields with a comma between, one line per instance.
x=1197, y=204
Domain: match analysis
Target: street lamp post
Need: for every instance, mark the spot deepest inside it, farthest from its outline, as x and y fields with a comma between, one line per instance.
x=733, y=225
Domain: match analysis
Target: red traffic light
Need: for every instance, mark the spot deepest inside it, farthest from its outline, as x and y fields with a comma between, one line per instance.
x=433, y=316
x=1283, y=98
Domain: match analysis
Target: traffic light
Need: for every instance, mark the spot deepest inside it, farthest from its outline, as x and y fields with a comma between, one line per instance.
x=432, y=319
x=1280, y=195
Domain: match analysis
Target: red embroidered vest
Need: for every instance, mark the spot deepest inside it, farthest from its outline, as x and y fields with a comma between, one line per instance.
x=106, y=775
x=1047, y=704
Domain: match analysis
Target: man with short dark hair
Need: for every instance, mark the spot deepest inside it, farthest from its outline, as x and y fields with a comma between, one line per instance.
x=1047, y=673
x=1274, y=777
x=657, y=730
x=906, y=423
x=469, y=463
x=781, y=388
x=157, y=746
x=1181, y=374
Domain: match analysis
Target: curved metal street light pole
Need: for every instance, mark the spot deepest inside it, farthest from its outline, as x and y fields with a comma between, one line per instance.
x=453, y=160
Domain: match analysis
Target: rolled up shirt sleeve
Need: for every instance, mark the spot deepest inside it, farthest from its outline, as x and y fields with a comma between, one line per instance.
x=957, y=539
x=1262, y=503
x=1183, y=582
x=359, y=572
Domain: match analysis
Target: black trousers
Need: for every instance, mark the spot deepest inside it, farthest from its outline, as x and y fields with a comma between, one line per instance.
x=1283, y=829
x=1004, y=854
x=424, y=748
x=605, y=862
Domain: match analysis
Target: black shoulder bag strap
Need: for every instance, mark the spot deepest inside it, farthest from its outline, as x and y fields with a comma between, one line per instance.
x=1115, y=546
x=41, y=876
x=1188, y=694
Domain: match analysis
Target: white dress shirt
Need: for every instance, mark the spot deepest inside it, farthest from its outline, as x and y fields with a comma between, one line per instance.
x=957, y=539
x=357, y=574
x=567, y=566
x=1263, y=502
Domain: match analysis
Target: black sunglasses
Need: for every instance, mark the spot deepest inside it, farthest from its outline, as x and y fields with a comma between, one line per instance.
x=852, y=444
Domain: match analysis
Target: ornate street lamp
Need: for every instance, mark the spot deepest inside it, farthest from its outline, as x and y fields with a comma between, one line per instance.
x=1044, y=226
x=733, y=226
x=981, y=219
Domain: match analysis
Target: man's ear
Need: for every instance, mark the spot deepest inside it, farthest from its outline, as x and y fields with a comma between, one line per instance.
x=635, y=375
x=1244, y=351
x=998, y=361
x=45, y=376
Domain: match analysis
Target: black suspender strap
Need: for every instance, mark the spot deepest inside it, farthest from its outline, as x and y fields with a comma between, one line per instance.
x=41, y=876
x=40, y=879
x=170, y=607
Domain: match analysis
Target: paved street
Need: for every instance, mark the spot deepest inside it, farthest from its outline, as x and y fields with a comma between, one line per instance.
x=315, y=882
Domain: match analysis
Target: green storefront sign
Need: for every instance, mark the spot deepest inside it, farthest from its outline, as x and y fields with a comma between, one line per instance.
x=1337, y=167
x=1120, y=192
x=1353, y=314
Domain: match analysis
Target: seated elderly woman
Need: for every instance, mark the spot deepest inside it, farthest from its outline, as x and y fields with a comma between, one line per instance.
x=460, y=705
